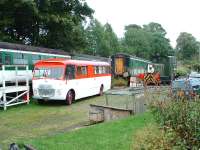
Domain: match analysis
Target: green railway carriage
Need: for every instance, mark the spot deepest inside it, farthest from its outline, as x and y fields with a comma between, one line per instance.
x=159, y=68
x=17, y=54
x=125, y=65
x=128, y=65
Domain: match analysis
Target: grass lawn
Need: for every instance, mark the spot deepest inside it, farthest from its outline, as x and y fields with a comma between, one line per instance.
x=115, y=135
x=34, y=120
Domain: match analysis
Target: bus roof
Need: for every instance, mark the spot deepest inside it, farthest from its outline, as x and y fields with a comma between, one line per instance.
x=70, y=61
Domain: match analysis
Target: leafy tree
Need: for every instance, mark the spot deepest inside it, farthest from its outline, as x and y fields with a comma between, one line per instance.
x=136, y=41
x=49, y=23
x=160, y=45
x=148, y=41
x=101, y=39
x=187, y=46
x=155, y=28
x=110, y=41
x=94, y=34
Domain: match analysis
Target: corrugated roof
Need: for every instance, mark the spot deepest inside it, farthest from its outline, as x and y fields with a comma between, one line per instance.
x=21, y=47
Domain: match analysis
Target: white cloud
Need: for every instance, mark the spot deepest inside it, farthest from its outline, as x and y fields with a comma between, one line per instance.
x=174, y=15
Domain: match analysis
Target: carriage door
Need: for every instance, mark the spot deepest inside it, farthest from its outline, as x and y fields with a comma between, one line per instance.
x=119, y=66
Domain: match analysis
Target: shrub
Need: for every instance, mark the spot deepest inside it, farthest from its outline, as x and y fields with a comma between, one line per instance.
x=182, y=71
x=183, y=117
x=119, y=82
x=152, y=137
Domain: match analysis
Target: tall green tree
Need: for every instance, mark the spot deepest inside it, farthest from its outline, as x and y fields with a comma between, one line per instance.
x=148, y=41
x=187, y=46
x=136, y=41
x=49, y=23
x=101, y=39
x=154, y=27
x=94, y=35
x=110, y=41
x=160, y=45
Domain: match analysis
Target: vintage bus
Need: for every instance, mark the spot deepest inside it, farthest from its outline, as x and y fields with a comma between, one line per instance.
x=69, y=80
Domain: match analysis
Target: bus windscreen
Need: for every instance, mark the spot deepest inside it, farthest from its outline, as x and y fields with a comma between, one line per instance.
x=49, y=72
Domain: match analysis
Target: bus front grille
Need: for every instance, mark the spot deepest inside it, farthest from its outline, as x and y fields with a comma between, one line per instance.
x=46, y=92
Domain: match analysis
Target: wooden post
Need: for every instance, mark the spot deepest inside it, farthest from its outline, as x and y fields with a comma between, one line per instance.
x=27, y=85
x=4, y=86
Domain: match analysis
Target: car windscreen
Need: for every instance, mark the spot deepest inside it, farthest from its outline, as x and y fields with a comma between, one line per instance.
x=49, y=72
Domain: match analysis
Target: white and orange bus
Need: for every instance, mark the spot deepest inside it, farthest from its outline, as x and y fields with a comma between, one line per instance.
x=69, y=80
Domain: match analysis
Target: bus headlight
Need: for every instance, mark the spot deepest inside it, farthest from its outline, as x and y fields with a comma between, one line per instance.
x=34, y=91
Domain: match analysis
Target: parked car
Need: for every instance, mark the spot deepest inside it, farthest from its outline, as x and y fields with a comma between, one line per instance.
x=186, y=88
x=194, y=75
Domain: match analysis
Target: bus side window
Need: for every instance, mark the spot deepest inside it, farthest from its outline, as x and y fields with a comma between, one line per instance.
x=70, y=72
x=82, y=71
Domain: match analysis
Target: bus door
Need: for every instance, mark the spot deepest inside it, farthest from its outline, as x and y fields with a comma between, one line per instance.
x=70, y=72
x=83, y=83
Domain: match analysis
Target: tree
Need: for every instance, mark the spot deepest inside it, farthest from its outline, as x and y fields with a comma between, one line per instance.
x=148, y=41
x=136, y=41
x=101, y=39
x=160, y=45
x=155, y=28
x=94, y=35
x=49, y=23
x=187, y=46
x=110, y=41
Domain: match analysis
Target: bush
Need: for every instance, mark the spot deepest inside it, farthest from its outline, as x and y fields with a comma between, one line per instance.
x=151, y=137
x=183, y=117
x=119, y=82
x=182, y=71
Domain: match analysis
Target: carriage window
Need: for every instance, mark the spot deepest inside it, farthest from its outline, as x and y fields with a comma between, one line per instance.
x=82, y=70
x=7, y=59
x=35, y=58
x=21, y=59
x=1, y=60
x=70, y=72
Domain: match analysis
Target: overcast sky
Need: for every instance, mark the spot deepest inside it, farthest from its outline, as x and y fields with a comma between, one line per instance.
x=174, y=15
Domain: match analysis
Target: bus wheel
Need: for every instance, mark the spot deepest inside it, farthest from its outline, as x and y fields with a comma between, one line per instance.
x=101, y=90
x=69, y=97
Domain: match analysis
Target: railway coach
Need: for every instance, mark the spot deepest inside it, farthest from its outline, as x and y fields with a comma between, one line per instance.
x=17, y=54
x=126, y=65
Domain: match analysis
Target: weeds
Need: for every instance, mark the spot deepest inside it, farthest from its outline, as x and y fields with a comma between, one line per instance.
x=182, y=117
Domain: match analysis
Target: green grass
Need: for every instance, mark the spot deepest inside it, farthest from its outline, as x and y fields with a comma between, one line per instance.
x=34, y=120
x=115, y=135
